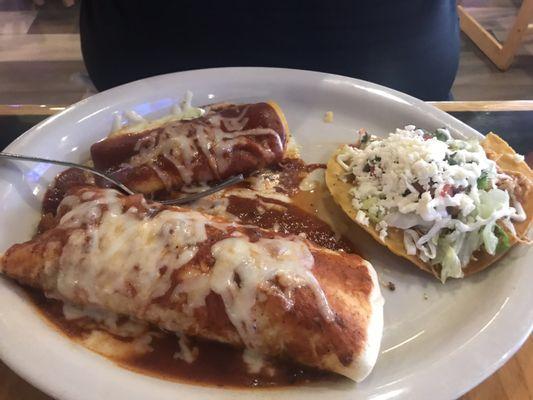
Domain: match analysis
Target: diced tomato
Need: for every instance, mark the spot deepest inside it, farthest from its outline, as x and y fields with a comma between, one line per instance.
x=447, y=189
x=427, y=136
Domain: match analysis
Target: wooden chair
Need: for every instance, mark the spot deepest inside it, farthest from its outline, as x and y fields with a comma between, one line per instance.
x=500, y=54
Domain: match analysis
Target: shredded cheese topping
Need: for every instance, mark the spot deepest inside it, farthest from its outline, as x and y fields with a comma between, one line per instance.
x=117, y=259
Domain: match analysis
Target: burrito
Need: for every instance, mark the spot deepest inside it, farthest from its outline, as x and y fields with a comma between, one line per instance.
x=227, y=140
x=184, y=271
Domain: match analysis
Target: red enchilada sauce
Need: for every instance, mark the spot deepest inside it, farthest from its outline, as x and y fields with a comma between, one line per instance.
x=227, y=140
x=217, y=364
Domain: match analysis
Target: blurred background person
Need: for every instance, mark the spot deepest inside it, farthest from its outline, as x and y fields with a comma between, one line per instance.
x=408, y=45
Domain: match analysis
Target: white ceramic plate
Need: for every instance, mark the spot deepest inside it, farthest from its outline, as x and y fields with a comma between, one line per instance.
x=436, y=348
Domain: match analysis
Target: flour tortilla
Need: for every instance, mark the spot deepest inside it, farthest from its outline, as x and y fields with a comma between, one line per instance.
x=499, y=151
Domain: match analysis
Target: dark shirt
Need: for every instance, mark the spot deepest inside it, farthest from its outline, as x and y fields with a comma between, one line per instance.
x=409, y=45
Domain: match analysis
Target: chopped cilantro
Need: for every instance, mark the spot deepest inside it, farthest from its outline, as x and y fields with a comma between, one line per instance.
x=365, y=138
x=438, y=134
x=450, y=159
x=441, y=136
x=483, y=182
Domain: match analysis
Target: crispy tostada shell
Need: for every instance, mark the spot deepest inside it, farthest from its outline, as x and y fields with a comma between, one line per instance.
x=496, y=149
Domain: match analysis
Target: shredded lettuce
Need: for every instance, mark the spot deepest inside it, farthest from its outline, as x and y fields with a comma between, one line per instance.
x=366, y=204
x=450, y=264
x=471, y=243
x=492, y=201
x=490, y=240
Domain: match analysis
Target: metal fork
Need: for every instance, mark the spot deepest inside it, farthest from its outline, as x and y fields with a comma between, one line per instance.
x=184, y=200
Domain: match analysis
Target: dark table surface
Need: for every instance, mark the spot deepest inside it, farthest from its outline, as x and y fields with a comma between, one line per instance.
x=516, y=127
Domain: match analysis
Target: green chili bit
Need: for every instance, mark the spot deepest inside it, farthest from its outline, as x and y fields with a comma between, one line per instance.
x=503, y=239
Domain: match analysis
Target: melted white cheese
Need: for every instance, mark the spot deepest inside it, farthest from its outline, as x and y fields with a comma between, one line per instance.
x=253, y=360
x=108, y=345
x=116, y=259
x=264, y=185
x=119, y=256
x=242, y=266
x=313, y=180
x=105, y=319
x=187, y=353
x=181, y=143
